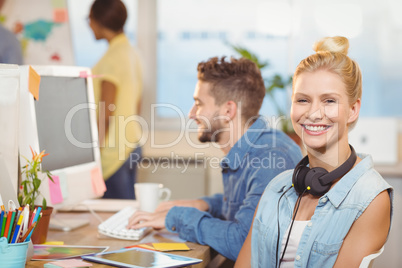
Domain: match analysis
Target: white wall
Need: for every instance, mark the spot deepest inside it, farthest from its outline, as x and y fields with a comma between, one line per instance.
x=189, y=168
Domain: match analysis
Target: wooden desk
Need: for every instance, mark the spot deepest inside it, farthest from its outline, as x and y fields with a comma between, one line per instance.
x=88, y=236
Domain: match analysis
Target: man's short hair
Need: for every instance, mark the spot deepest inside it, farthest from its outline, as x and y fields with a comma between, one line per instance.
x=237, y=80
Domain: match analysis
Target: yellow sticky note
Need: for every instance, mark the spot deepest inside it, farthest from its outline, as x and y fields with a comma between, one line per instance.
x=33, y=83
x=170, y=246
x=54, y=243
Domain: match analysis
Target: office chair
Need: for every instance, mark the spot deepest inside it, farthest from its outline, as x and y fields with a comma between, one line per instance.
x=367, y=261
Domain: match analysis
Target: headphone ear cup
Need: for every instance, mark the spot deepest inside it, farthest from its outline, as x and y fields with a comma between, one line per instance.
x=299, y=177
x=313, y=181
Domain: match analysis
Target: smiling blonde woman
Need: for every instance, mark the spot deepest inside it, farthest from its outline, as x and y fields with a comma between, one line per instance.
x=333, y=209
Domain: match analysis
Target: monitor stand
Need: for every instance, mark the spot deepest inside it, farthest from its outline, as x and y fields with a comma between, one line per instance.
x=66, y=224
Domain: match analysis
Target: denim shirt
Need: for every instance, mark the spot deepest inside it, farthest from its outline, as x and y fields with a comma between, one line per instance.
x=257, y=157
x=334, y=215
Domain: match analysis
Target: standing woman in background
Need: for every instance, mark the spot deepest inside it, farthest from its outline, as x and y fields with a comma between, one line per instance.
x=118, y=89
x=333, y=209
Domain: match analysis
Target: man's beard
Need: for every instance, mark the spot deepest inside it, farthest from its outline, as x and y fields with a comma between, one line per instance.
x=211, y=135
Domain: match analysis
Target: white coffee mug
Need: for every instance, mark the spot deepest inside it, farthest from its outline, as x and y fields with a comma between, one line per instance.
x=149, y=195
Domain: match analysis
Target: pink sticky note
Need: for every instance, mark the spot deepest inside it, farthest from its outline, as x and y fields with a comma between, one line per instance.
x=55, y=190
x=98, y=183
x=84, y=74
x=60, y=15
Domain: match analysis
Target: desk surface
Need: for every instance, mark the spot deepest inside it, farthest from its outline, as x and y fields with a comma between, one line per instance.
x=88, y=236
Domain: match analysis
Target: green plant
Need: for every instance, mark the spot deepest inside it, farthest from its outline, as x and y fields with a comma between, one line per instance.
x=29, y=190
x=273, y=83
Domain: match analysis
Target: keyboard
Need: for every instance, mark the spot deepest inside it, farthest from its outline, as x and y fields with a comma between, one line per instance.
x=115, y=226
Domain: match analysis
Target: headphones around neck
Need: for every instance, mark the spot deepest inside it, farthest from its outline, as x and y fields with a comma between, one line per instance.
x=317, y=181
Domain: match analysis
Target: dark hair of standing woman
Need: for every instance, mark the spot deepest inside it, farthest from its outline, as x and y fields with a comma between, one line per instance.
x=111, y=14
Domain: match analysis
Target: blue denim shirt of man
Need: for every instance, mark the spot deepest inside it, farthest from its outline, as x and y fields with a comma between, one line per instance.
x=257, y=157
x=333, y=217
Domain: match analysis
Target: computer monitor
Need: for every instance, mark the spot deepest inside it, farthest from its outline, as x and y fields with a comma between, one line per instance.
x=63, y=123
x=9, y=110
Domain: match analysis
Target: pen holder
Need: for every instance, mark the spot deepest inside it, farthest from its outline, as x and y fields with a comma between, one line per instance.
x=13, y=255
x=39, y=234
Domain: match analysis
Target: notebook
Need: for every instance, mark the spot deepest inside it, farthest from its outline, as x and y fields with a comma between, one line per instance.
x=141, y=258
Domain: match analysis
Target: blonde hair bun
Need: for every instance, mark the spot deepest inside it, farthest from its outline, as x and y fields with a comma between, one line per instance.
x=336, y=44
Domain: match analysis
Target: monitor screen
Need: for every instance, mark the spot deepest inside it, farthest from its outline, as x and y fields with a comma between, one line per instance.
x=62, y=121
x=62, y=131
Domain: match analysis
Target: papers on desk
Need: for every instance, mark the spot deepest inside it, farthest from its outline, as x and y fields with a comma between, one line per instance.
x=54, y=252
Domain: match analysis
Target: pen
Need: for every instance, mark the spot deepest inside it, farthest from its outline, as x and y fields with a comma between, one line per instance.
x=17, y=216
x=9, y=214
x=1, y=221
x=17, y=230
x=19, y=213
x=3, y=226
x=32, y=217
x=38, y=212
x=27, y=235
x=1, y=204
x=14, y=224
x=10, y=225
x=40, y=216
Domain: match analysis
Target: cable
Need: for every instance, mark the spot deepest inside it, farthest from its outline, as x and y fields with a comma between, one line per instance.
x=291, y=225
x=277, y=241
x=92, y=211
